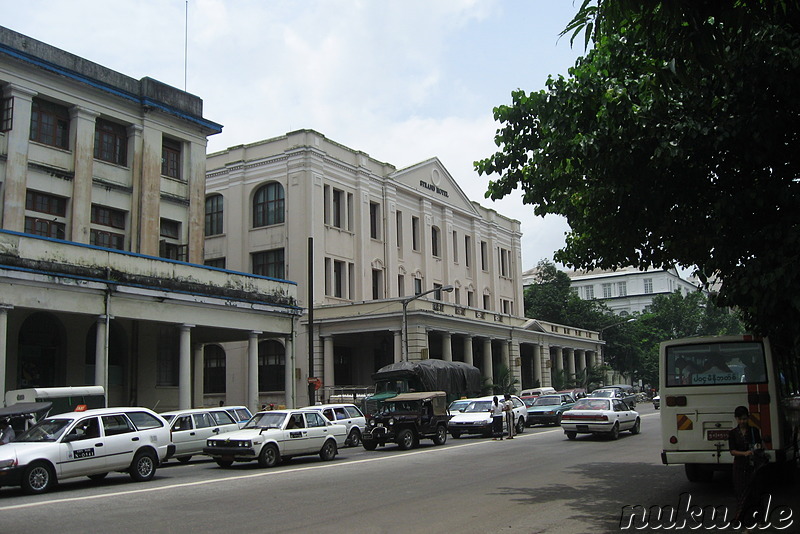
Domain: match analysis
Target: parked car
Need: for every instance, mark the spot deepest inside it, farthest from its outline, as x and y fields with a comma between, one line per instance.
x=407, y=418
x=192, y=428
x=547, y=409
x=599, y=415
x=657, y=402
x=536, y=392
x=91, y=443
x=476, y=419
x=577, y=393
x=268, y=437
x=458, y=406
x=240, y=414
x=348, y=415
x=615, y=393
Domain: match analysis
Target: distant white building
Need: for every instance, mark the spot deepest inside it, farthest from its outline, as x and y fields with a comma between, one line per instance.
x=628, y=290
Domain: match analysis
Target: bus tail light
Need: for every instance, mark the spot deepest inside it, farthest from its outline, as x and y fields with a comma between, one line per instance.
x=677, y=400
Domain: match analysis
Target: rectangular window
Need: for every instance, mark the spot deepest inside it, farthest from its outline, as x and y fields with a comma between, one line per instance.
x=45, y=228
x=588, y=292
x=622, y=289
x=471, y=299
x=108, y=216
x=269, y=263
x=399, y=224
x=170, y=229
x=7, y=116
x=173, y=251
x=101, y=238
x=338, y=279
x=166, y=357
x=467, y=249
x=417, y=286
x=214, y=213
x=336, y=208
x=484, y=256
x=49, y=124
x=374, y=220
x=401, y=285
x=457, y=295
x=507, y=306
x=648, y=285
x=349, y=214
x=505, y=262
x=486, y=302
x=415, y=234
x=44, y=203
x=435, y=241
x=110, y=142
x=171, y=158
x=351, y=280
x=455, y=246
x=606, y=291
x=377, y=284
x=219, y=263
x=438, y=293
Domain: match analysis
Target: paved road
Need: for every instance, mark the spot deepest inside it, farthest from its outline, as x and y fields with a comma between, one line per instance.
x=539, y=482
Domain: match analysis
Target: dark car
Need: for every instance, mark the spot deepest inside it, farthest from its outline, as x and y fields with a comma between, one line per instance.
x=547, y=409
x=407, y=418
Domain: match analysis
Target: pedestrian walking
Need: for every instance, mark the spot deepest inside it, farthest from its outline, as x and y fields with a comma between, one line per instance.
x=508, y=408
x=496, y=409
x=748, y=457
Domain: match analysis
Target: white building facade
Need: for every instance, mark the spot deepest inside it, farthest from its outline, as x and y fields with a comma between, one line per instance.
x=361, y=239
x=102, y=180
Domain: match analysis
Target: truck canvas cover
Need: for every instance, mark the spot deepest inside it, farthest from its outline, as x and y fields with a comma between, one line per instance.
x=435, y=375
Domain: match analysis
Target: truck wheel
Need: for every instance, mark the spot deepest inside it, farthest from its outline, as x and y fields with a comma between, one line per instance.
x=38, y=478
x=405, y=439
x=369, y=444
x=269, y=456
x=455, y=433
x=441, y=435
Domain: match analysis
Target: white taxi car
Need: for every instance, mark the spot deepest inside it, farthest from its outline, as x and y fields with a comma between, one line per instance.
x=348, y=415
x=90, y=443
x=192, y=428
x=476, y=419
x=273, y=435
x=600, y=415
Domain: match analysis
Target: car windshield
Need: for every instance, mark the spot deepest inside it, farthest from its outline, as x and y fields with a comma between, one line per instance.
x=591, y=404
x=458, y=405
x=266, y=420
x=46, y=430
x=603, y=393
x=547, y=401
x=481, y=406
x=529, y=402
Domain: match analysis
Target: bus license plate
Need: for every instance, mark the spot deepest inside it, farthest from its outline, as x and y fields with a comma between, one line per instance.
x=717, y=435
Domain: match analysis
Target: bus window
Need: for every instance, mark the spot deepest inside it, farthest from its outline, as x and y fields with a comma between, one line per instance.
x=715, y=364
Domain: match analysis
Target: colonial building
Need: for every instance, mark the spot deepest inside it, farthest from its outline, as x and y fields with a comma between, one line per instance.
x=390, y=264
x=102, y=179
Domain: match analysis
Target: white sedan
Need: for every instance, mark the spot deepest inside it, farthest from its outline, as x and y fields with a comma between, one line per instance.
x=476, y=418
x=273, y=435
x=597, y=415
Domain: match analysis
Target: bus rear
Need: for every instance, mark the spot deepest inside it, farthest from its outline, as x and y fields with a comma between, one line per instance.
x=702, y=381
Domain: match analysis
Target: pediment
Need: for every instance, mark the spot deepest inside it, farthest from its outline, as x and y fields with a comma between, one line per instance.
x=432, y=180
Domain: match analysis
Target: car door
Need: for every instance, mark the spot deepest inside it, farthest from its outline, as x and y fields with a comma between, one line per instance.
x=318, y=430
x=295, y=435
x=120, y=441
x=82, y=450
x=223, y=421
x=184, y=436
x=623, y=414
x=205, y=427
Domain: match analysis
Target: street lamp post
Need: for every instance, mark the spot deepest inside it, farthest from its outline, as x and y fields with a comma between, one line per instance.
x=405, y=314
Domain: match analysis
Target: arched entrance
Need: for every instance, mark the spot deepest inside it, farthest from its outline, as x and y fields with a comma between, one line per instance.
x=41, y=352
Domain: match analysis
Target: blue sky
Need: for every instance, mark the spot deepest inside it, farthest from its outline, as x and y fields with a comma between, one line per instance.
x=402, y=80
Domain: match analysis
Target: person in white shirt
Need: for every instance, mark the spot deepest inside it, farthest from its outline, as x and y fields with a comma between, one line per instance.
x=496, y=409
x=508, y=408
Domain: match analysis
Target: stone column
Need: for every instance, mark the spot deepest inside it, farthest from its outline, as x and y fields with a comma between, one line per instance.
x=82, y=127
x=487, y=359
x=4, y=309
x=468, y=357
x=14, y=185
x=570, y=364
x=288, y=375
x=252, y=371
x=504, y=355
x=537, y=364
x=581, y=357
x=447, y=346
x=559, y=357
x=100, y=355
x=185, y=368
x=328, y=373
x=199, y=370
x=150, y=193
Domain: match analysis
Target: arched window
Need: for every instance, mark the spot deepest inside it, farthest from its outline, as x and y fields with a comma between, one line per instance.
x=435, y=241
x=271, y=365
x=214, y=215
x=268, y=205
x=213, y=369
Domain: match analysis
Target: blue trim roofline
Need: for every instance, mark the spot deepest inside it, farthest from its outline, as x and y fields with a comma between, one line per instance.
x=137, y=255
x=142, y=101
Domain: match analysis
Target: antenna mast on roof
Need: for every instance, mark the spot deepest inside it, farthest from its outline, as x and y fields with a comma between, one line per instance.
x=185, y=44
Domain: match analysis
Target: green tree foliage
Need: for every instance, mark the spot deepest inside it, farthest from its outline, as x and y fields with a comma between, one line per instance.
x=673, y=141
x=551, y=299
